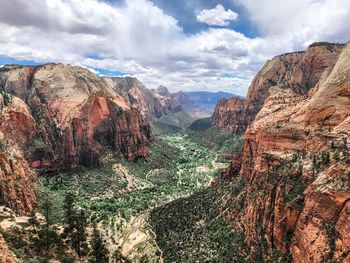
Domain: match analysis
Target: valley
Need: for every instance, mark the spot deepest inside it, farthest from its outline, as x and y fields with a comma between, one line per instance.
x=103, y=170
x=120, y=196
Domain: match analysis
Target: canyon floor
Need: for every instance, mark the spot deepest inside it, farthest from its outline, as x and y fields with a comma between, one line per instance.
x=123, y=197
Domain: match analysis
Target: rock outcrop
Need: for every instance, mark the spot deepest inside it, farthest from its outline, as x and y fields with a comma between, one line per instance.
x=296, y=164
x=55, y=117
x=228, y=115
x=298, y=71
x=169, y=105
x=152, y=104
x=6, y=255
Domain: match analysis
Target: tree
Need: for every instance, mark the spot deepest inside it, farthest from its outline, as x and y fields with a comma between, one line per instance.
x=144, y=259
x=99, y=253
x=325, y=158
x=69, y=212
x=33, y=221
x=119, y=258
x=78, y=235
x=47, y=207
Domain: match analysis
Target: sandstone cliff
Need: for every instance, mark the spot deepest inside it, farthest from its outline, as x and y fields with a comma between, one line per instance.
x=296, y=166
x=298, y=71
x=55, y=117
x=169, y=105
x=152, y=104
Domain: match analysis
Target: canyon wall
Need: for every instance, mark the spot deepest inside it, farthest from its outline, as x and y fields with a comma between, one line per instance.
x=296, y=162
x=152, y=103
x=298, y=71
x=55, y=117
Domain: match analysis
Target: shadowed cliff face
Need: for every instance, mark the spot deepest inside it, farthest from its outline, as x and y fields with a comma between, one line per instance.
x=296, y=164
x=298, y=72
x=55, y=117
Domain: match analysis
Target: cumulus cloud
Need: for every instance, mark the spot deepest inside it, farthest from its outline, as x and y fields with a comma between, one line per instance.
x=217, y=16
x=137, y=37
x=298, y=23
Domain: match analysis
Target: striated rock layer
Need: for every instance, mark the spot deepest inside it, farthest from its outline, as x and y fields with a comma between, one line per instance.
x=152, y=104
x=55, y=117
x=298, y=71
x=296, y=165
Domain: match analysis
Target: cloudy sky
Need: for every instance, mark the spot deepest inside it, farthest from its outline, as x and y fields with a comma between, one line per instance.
x=182, y=44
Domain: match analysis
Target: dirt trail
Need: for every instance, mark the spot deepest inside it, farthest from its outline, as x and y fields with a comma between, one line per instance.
x=134, y=236
x=129, y=179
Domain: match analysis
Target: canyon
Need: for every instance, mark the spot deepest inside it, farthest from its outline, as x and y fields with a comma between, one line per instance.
x=55, y=117
x=265, y=179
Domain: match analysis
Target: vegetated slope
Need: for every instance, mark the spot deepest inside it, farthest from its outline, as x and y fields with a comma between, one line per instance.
x=296, y=163
x=119, y=195
x=226, y=143
x=192, y=229
x=297, y=71
x=173, y=122
x=199, y=104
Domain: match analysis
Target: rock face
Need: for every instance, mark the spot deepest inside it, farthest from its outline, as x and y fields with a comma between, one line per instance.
x=298, y=71
x=168, y=103
x=56, y=117
x=16, y=179
x=296, y=165
x=152, y=104
x=228, y=115
x=6, y=255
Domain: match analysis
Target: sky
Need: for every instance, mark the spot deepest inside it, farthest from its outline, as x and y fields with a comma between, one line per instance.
x=181, y=44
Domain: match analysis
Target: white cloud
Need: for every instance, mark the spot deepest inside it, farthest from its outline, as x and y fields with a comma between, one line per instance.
x=296, y=24
x=137, y=37
x=217, y=16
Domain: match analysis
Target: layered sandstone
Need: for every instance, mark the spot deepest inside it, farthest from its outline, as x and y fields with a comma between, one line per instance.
x=228, y=115
x=296, y=164
x=56, y=117
x=169, y=105
x=151, y=104
x=298, y=71
x=6, y=255
x=16, y=179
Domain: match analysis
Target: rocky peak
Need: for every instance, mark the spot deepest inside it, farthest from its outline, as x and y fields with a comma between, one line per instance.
x=296, y=162
x=297, y=71
x=153, y=104
x=162, y=91
x=182, y=98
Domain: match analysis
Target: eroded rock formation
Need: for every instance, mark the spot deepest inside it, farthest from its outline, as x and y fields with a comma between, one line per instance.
x=152, y=104
x=298, y=71
x=55, y=117
x=296, y=165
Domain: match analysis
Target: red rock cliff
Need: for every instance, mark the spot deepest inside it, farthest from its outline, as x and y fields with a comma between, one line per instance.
x=296, y=166
x=151, y=104
x=56, y=117
x=299, y=71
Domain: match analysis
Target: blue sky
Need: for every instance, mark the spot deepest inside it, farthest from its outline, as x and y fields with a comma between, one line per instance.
x=183, y=10
x=182, y=44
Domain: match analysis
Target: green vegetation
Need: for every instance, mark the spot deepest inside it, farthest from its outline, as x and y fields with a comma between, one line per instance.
x=209, y=136
x=180, y=164
x=39, y=243
x=191, y=229
x=173, y=122
x=7, y=98
x=99, y=253
x=177, y=166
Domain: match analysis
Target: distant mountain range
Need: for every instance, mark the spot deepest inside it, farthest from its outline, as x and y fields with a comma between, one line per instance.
x=200, y=104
